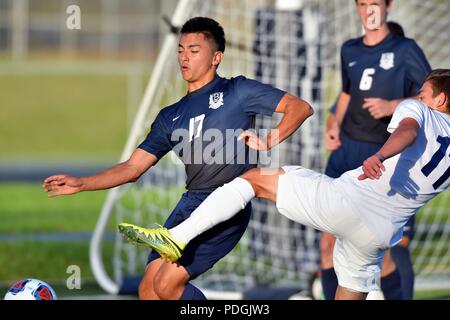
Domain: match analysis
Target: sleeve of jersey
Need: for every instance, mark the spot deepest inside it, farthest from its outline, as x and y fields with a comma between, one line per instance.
x=344, y=74
x=333, y=107
x=256, y=97
x=157, y=141
x=417, y=68
x=406, y=109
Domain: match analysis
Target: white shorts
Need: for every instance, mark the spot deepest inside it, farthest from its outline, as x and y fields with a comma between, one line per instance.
x=312, y=199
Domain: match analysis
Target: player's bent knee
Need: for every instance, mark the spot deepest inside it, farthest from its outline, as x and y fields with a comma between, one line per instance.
x=161, y=286
x=165, y=287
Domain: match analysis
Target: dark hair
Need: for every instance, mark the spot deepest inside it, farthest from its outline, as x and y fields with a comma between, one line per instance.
x=388, y=2
x=210, y=28
x=440, y=82
x=396, y=29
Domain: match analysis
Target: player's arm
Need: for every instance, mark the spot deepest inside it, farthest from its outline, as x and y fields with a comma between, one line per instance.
x=332, y=140
x=125, y=172
x=295, y=112
x=341, y=107
x=380, y=108
x=400, y=139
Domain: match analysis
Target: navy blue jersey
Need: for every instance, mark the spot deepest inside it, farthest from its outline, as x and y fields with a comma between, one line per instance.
x=202, y=129
x=393, y=69
x=333, y=108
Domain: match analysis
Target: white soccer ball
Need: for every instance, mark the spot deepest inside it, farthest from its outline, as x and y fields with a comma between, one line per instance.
x=30, y=289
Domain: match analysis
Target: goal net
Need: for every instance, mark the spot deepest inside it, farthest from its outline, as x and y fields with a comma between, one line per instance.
x=293, y=45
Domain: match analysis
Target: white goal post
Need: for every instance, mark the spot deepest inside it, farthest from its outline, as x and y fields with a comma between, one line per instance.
x=296, y=49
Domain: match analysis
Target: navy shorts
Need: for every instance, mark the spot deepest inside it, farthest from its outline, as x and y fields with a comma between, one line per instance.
x=209, y=247
x=408, y=229
x=349, y=156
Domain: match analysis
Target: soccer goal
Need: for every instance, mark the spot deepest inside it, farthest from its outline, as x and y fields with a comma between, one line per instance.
x=293, y=45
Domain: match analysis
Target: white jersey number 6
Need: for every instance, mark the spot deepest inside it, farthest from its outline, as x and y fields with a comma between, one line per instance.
x=367, y=79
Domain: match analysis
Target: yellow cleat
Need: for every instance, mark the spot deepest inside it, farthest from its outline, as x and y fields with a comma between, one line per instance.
x=158, y=239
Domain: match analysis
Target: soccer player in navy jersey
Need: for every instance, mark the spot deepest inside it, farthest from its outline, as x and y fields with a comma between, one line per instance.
x=379, y=70
x=215, y=109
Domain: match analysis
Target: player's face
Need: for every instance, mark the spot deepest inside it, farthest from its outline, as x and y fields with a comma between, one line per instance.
x=372, y=13
x=426, y=95
x=197, y=57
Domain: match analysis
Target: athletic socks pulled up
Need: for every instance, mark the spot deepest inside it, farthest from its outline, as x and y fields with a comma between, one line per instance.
x=219, y=206
x=329, y=283
x=191, y=292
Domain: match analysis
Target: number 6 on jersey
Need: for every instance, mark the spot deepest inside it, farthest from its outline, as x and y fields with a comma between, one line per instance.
x=367, y=79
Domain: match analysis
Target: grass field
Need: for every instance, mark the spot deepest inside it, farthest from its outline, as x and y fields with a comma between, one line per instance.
x=25, y=209
x=57, y=118
x=63, y=117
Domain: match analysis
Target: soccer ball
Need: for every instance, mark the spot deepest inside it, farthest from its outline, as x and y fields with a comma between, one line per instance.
x=30, y=289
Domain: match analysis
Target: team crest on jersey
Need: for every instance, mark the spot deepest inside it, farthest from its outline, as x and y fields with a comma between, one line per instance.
x=387, y=60
x=216, y=100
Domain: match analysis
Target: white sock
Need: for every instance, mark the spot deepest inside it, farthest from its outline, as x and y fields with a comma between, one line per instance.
x=218, y=207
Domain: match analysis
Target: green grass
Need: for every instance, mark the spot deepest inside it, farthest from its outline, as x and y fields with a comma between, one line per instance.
x=45, y=260
x=26, y=208
x=432, y=295
x=61, y=116
x=49, y=261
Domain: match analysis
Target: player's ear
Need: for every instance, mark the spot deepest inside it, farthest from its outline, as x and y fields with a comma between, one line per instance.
x=217, y=59
x=441, y=100
x=389, y=5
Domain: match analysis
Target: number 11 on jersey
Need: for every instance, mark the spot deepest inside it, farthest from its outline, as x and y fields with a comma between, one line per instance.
x=436, y=159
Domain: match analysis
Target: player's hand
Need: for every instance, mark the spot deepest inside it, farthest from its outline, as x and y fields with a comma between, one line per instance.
x=379, y=108
x=62, y=184
x=332, y=139
x=373, y=168
x=253, y=141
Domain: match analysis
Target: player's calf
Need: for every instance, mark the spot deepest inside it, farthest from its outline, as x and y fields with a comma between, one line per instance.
x=326, y=245
x=264, y=182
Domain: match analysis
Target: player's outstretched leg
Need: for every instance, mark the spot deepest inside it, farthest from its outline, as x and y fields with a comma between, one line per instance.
x=219, y=206
x=158, y=239
x=228, y=200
